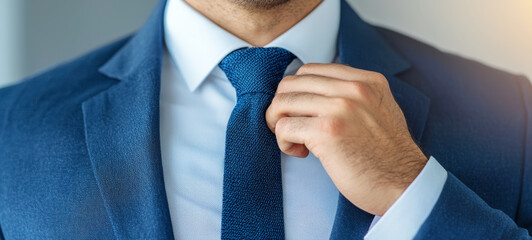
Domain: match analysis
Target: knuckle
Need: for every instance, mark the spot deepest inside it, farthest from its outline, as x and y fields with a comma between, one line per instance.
x=342, y=104
x=275, y=110
x=287, y=98
x=331, y=126
x=282, y=85
x=283, y=147
x=281, y=126
x=379, y=76
x=281, y=143
x=288, y=78
x=285, y=83
x=305, y=68
x=269, y=111
x=277, y=100
x=380, y=79
x=360, y=89
x=270, y=115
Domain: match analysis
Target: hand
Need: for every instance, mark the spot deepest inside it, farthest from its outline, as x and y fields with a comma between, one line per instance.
x=349, y=120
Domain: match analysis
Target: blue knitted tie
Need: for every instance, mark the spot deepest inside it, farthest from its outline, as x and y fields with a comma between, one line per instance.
x=252, y=191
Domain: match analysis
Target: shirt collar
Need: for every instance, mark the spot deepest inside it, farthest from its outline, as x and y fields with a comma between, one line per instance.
x=197, y=45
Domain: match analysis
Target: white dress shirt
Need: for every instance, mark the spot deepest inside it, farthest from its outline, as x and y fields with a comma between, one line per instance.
x=195, y=105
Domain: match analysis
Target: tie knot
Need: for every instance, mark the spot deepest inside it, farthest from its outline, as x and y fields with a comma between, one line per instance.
x=256, y=69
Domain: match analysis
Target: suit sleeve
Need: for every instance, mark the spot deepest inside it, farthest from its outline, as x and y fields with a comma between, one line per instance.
x=406, y=216
x=461, y=214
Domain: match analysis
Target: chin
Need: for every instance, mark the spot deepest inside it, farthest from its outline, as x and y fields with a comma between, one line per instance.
x=260, y=4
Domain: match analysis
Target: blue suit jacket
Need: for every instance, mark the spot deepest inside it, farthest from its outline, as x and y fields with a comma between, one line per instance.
x=80, y=155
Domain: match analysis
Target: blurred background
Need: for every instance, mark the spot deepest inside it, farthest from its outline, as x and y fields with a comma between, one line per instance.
x=38, y=34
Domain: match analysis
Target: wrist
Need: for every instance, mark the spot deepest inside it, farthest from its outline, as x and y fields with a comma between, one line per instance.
x=409, y=170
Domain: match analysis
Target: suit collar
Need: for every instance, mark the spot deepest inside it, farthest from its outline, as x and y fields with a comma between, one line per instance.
x=140, y=57
x=361, y=46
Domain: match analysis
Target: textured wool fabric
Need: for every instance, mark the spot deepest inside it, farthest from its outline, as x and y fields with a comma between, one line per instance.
x=80, y=152
x=252, y=188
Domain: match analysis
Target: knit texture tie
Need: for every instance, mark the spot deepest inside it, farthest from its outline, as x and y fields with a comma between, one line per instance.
x=252, y=187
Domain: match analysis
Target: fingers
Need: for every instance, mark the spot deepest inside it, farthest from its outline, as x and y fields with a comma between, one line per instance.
x=326, y=86
x=295, y=104
x=319, y=92
x=293, y=133
x=340, y=71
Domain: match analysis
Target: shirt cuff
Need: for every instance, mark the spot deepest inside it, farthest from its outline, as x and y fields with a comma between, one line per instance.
x=406, y=216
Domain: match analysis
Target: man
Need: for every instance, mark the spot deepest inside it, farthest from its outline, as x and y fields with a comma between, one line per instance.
x=178, y=130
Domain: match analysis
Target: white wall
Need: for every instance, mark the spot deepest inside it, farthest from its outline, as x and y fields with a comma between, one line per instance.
x=10, y=25
x=58, y=30
x=36, y=34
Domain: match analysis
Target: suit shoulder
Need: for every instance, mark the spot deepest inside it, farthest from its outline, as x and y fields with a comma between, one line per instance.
x=447, y=75
x=62, y=76
x=469, y=95
x=55, y=90
x=424, y=56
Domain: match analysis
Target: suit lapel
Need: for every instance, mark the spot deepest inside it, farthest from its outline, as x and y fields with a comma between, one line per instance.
x=122, y=135
x=360, y=46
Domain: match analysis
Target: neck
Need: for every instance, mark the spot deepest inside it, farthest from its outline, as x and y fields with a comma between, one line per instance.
x=252, y=21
